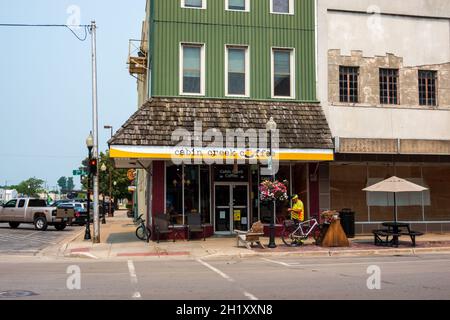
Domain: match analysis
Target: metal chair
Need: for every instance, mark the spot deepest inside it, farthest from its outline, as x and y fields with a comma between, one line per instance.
x=162, y=225
x=194, y=224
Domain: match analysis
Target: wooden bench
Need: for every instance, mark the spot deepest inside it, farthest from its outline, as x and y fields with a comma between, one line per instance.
x=248, y=238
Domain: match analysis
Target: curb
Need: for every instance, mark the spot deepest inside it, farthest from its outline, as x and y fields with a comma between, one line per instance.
x=60, y=244
x=330, y=253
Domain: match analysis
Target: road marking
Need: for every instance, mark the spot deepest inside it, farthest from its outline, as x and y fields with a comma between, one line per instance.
x=223, y=275
x=227, y=277
x=13, y=237
x=278, y=262
x=134, y=279
x=353, y=263
x=250, y=296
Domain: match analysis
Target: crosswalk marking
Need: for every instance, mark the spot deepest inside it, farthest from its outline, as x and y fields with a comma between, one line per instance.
x=12, y=237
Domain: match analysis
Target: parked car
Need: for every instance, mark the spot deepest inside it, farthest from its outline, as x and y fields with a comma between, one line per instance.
x=80, y=211
x=35, y=211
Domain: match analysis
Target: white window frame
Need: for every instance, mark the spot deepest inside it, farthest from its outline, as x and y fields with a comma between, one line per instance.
x=247, y=70
x=247, y=6
x=203, y=7
x=293, y=68
x=291, y=8
x=202, y=68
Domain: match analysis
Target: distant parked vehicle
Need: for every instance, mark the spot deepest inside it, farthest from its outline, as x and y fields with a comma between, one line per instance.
x=80, y=211
x=35, y=211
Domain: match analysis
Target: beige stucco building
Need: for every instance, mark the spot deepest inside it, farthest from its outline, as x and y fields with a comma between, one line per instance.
x=384, y=83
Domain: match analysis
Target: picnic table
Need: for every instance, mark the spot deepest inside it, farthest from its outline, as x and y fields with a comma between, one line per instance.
x=395, y=230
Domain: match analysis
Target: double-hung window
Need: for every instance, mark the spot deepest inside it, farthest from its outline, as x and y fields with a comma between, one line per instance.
x=192, y=71
x=282, y=6
x=193, y=4
x=237, y=71
x=283, y=73
x=237, y=5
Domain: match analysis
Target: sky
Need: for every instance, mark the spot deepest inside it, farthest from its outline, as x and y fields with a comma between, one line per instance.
x=46, y=86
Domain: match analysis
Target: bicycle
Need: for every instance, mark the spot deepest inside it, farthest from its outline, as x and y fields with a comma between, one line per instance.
x=142, y=231
x=294, y=234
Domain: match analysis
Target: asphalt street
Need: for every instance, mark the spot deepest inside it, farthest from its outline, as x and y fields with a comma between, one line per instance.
x=413, y=277
x=27, y=241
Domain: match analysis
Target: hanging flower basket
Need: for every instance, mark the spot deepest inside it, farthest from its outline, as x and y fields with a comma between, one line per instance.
x=273, y=191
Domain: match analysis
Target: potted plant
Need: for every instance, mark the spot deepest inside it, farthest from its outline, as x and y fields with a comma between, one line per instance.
x=273, y=190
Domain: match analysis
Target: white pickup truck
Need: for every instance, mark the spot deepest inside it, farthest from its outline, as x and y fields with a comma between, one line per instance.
x=35, y=211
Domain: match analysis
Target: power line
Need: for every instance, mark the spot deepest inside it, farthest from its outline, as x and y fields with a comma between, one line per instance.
x=86, y=27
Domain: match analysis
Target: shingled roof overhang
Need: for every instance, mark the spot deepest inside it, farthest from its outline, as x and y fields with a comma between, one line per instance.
x=148, y=133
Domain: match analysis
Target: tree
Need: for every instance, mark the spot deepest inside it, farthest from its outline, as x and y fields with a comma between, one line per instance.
x=120, y=190
x=62, y=183
x=31, y=187
x=70, y=185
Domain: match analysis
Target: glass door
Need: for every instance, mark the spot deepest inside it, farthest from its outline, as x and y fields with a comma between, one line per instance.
x=231, y=207
x=222, y=208
x=240, y=207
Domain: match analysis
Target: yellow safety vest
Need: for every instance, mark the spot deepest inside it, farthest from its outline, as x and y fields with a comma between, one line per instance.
x=298, y=211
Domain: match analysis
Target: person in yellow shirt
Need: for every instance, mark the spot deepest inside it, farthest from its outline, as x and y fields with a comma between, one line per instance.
x=297, y=214
x=298, y=210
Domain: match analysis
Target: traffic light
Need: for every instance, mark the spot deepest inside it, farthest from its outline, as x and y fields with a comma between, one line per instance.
x=93, y=167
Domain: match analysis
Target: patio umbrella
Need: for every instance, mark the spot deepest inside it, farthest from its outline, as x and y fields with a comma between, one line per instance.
x=395, y=185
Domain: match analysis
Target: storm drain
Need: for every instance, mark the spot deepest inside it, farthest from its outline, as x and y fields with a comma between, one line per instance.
x=16, y=294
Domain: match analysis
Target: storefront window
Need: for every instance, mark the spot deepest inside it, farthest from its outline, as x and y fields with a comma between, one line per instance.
x=300, y=184
x=284, y=174
x=436, y=179
x=191, y=189
x=346, y=184
x=381, y=204
x=174, y=191
x=255, y=192
x=205, y=194
x=410, y=204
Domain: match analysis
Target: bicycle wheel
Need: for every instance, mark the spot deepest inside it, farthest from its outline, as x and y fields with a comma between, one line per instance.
x=140, y=233
x=286, y=236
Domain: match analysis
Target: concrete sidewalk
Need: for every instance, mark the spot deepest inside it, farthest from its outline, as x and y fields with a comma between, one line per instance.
x=118, y=241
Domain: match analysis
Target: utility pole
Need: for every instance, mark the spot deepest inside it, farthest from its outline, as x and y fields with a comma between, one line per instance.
x=96, y=238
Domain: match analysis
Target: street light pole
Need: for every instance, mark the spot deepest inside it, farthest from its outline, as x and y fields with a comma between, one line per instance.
x=87, y=232
x=103, y=169
x=93, y=29
x=110, y=173
x=272, y=126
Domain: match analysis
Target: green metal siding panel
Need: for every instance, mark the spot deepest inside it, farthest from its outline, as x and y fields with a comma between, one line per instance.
x=216, y=27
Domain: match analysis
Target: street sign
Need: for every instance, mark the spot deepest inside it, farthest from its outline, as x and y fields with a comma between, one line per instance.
x=78, y=173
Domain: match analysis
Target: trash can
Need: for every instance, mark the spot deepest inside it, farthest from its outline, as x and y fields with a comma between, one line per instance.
x=348, y=222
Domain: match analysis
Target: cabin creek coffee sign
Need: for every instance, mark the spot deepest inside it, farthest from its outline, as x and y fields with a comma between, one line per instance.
x=227, y=174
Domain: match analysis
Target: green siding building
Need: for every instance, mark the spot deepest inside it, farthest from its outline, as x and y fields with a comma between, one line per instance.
x=215, y=27
x=230, y=66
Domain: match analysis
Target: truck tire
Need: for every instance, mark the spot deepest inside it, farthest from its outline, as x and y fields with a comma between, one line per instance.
x=60, y=226
x=40, y=223
x=14, y=225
